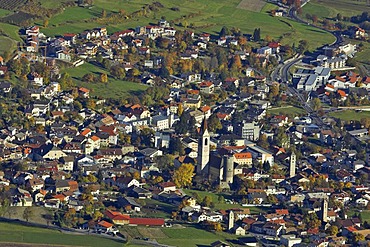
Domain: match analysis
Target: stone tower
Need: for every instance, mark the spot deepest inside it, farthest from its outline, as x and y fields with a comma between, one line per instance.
x=324, y=210
x=203, y=149
x=231, y=220
x=228, y=168
x=292, y=165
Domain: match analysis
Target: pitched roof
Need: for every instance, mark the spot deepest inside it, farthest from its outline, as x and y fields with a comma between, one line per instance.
x=147, y=221
x=105, y=224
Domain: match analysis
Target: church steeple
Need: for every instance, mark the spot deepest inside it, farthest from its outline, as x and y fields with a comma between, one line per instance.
x=203, y=148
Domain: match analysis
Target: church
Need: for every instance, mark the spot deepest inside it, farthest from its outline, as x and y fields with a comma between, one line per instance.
x=212, y=165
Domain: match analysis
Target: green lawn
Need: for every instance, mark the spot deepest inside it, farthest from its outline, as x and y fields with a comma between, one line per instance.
x=10, y=30
x=330, y=8
x=210, y=16
x=10, y=232
x=113, y=89
x=286, y=110
x=348, y=115
x=6, y=44
x=4, y=12
x=191, y=236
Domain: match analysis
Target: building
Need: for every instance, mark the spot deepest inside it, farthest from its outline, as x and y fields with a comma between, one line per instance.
x=249, y=130
x=203, y=149
x=292, y=165
x=311, y=79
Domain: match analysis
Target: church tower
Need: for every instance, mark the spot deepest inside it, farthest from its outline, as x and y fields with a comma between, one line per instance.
x=324, y=210
x=203, y=149
x=231, y=220
x=292, y=165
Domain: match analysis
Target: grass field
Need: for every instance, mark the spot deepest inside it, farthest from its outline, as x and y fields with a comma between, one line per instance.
x=113, y=89
x=330, y=8
x=6, y=44
x=286, y=110
x=349, y=115
x=15, y=233
x=209, y=16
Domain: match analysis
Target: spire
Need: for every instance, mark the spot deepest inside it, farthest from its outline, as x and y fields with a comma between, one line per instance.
x=204, y=126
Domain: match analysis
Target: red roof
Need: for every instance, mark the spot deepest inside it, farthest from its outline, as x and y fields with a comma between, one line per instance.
x=105, y=224
x=205, y=84
x=114, y=215
x=342, y=93
x=282, y=211
x=147, y=221
x=84, y=90
x=167, y=184
x=246, y=155
x=274, y=44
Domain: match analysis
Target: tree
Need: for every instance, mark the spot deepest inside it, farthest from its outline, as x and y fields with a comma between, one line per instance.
x=46, y=23
x=316, y=104
x=303, y=46
x=224, y=31
x=180, y=109
x=332, y=230
x=28, y=213
x=103, y=13
x=257, y=34
x=214, y=123
x=89, y=77
x=206, y=202
x=311, y=220
x=263, y=142
x=183, y=176
x=103, y=78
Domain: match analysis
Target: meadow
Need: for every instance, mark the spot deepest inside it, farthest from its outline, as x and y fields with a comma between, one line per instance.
x=330, y=8
x=16, y=233
x=113, y=89
x=348, y=115
x=207, y=16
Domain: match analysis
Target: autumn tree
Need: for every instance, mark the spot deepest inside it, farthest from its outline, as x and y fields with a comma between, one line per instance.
x=183, y=176
x=332, y=230
x=214, y=123
x=311, y=220
x=46, y=23
x=28, y=213
x=103, y=78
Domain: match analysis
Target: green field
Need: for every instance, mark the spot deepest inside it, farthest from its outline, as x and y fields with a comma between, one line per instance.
x=330, y=8
x=6, y=44
x=189, y=236
x=16, y=233
x=348, y=115
x=113, y=89
x=286, y=110
x=209, y=16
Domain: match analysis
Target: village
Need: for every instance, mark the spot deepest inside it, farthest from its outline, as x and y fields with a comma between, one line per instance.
x=205, y=149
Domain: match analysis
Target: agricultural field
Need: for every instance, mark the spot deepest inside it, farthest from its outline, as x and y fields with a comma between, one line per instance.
x=7, y=44
x=181, y=236
x=11, y=4
x=348, y=115
x=209, y=16
x=113, y=89
x=330, y=8
x=16, y=233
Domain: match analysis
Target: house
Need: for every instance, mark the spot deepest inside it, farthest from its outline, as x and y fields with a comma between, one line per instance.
x=5, y=86
x=206, y=87
x=167, y=186
x=117, y=218
x=106, y=227
x=84, y=92
x=126, y=182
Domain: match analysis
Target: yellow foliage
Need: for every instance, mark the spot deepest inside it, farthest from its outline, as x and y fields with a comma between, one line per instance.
x=183, y=176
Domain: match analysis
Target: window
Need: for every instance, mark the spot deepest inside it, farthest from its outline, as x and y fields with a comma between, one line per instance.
x=206, y=141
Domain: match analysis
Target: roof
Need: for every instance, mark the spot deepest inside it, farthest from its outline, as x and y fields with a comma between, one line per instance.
x=147, y=221
x=105, y=224
x=84, y=90
x=167, y=184
x=245, y=155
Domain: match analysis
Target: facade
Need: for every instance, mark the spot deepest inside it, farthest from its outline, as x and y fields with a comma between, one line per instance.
x=249, y=130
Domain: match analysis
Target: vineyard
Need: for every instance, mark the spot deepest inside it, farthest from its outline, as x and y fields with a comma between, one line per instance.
x=19, y=18
x=11, y=4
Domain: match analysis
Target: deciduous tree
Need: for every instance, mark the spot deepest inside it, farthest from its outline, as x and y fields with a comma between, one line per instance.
x=183, y=176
